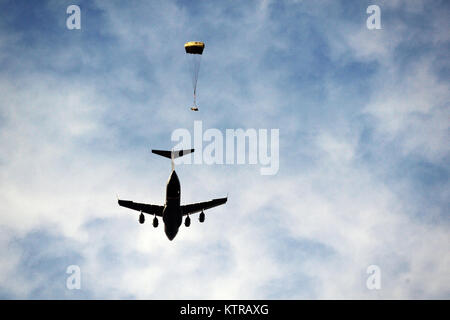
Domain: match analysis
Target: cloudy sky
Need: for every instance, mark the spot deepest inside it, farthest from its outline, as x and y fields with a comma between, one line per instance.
x=363, y=118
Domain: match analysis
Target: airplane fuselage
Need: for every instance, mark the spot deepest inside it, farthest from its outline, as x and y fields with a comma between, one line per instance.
x=172, y=215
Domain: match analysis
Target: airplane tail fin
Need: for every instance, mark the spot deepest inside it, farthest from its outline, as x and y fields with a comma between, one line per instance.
x=172, y=154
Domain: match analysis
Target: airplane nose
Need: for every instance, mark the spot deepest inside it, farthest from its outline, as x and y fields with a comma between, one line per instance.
x=171, y=234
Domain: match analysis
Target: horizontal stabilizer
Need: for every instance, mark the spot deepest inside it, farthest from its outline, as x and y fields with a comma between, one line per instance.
x=172, y=154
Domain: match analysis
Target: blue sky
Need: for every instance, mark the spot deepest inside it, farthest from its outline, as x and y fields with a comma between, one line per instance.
x=363, y=121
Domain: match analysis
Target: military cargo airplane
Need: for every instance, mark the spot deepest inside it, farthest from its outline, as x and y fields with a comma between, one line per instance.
x=172, y=212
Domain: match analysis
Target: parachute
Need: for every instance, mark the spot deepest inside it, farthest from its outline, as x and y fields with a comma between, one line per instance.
x=194, y=51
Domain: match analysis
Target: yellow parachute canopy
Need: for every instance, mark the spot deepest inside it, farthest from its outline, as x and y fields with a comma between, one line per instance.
x=194, y=47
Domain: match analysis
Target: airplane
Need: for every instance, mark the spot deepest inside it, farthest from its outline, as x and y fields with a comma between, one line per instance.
x=172, y=212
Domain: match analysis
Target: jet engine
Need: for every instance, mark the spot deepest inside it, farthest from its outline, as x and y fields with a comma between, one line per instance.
x=201, y=217
x=187, y=221
x=141, y=218
x=155, y=222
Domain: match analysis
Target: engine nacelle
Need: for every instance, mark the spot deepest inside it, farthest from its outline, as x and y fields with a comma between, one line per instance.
x=141, y=218
x=187, y=221
x=155, y=222
x=201, y=217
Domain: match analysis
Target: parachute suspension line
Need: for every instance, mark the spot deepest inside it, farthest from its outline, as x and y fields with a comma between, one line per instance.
x=195, y=104
x=195, y=71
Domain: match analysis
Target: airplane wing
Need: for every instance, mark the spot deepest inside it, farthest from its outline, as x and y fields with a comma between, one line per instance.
x=200, y=206
x=146, y=208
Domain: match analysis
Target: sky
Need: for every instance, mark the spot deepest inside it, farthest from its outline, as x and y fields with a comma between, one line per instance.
x=363, y=119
